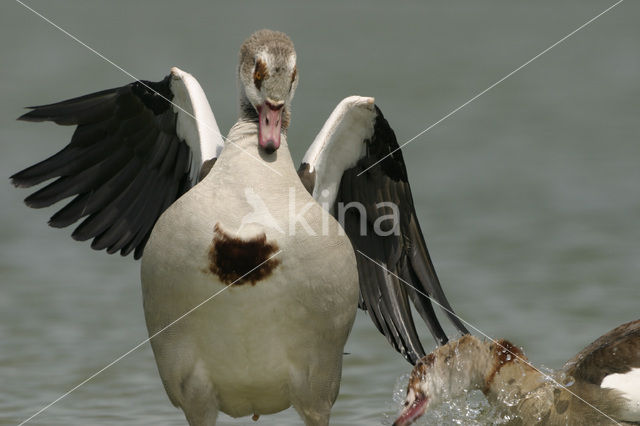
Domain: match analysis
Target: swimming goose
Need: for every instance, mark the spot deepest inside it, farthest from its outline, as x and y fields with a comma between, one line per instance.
x=252, y=271
x=604, y=375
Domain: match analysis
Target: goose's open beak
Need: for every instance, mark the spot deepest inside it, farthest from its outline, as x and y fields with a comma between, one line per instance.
x=269, y=126
x=412, y=412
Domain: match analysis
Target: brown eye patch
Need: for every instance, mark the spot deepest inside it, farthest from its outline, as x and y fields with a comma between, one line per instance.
x=260, y=73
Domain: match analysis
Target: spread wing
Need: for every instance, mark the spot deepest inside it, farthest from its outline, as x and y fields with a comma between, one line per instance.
x=135, y=150
x=375, y=207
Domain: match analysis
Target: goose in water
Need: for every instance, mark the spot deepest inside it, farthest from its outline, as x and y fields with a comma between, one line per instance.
x=602, y=382
x=250, y=283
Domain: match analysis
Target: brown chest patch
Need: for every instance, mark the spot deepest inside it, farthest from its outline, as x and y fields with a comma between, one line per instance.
x=237, y=261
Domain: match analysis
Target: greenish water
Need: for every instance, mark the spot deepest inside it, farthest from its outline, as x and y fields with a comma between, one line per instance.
x=529, y=197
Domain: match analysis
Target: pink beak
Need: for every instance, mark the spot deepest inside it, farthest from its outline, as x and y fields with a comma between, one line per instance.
x=269, y=125
x=411, y=413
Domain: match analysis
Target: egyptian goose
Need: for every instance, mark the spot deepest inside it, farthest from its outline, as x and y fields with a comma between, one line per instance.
x=601, y=383
x=250, y=285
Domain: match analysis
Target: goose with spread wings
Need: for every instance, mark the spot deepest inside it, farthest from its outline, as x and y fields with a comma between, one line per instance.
x=252, y=268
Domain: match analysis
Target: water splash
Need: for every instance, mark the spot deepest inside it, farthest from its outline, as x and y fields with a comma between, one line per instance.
x=470, y=408
x=399, y=393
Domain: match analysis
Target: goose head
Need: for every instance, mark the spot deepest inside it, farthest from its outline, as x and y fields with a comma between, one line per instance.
x=445, y=374
x=267, y=79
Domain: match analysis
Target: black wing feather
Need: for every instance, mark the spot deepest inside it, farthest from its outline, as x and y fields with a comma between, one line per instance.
x=124, y=164
x=90, y=108
x=401, y=269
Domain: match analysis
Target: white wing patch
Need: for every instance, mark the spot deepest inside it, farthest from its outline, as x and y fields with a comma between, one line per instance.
x=339, y=145
x=629, y=385
x=200, y=133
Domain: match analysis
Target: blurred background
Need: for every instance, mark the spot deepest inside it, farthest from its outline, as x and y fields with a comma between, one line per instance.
x=529, y=197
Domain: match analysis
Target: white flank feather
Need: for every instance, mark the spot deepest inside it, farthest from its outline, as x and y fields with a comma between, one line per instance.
x=629, y=385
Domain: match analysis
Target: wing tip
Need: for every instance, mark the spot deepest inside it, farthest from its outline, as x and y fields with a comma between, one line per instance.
x=17, y=181
x=36, y=202
x=31, y=115
x=54, y=224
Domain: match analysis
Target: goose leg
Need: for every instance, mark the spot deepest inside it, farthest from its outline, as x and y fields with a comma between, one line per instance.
x=198, y=399
x=314, y=415
x=314, y=390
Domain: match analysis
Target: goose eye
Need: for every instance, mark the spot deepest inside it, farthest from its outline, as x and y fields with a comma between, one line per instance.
x=257, y=79
x=259, y=74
